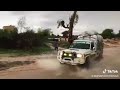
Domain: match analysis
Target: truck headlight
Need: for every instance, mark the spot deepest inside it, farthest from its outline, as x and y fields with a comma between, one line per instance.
x=70, y=55
x=79, y=55
x=65, y=54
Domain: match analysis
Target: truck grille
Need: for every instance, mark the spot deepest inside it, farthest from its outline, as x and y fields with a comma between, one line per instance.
x=68, y=59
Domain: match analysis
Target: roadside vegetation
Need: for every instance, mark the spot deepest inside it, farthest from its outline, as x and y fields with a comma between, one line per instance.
x=26, y=43
x=13, y=44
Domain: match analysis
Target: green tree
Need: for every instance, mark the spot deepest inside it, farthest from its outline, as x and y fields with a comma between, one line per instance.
x=118, y=34
x=108, y=33
x=72, y=21
x=43, y=35
x=8, y=39
x=26, y=39
x=21, y=23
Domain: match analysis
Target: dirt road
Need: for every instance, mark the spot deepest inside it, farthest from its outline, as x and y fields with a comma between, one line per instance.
x=47, y=67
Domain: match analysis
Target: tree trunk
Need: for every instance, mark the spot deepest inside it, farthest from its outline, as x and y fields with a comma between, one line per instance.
x=70, y=39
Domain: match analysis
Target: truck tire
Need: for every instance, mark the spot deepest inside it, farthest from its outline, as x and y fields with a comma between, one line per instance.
x=86, y=64
x=61, y=62
x=100, y=56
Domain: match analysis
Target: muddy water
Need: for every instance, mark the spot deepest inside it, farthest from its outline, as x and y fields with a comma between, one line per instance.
x=109, y=61
x=47, y=67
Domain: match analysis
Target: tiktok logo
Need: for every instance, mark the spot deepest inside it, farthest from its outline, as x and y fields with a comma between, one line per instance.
x=110, y=71
x=104, y=71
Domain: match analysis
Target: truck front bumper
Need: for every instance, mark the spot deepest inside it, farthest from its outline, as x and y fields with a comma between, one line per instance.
x=76, y=61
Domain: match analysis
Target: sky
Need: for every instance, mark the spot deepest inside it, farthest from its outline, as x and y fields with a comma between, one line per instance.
x=88, y=20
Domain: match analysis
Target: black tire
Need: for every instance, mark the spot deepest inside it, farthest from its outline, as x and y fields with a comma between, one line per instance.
x=86, y=65
x=62, y=63
x=99, y=57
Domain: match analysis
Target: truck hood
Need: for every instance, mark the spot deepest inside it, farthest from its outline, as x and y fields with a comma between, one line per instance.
x=81, y=51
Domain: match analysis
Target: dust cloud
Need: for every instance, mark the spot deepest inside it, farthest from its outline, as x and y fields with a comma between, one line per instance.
x=48, y=64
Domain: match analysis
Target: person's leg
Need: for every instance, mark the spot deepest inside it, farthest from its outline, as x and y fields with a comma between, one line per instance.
x=57, y=48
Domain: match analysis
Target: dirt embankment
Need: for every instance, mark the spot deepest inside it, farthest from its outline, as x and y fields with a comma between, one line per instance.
x=10, y=62
x=108, y=43
x=7, y=64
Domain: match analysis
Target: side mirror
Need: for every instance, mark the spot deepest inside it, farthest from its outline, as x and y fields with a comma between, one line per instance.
x=93, y=48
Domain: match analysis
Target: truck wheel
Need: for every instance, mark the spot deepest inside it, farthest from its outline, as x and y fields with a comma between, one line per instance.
x=87, y=63
x=100, y=56
x=61, y=62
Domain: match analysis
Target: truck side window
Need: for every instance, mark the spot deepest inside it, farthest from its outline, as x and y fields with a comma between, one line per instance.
x=92, y=45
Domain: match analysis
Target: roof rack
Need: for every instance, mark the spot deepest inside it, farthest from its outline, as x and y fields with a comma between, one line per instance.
x=86, y=37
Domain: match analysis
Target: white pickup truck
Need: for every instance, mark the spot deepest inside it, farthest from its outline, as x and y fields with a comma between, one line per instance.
x=82, y=50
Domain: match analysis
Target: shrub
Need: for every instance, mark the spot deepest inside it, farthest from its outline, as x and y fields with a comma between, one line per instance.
x=26, y=40
x=63, y=44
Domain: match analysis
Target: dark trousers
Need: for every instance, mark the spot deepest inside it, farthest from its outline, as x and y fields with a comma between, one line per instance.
x=56, y=48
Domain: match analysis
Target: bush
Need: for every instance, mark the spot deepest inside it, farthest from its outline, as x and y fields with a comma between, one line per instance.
x=108, y=33
x=27, y=40
x=7, y=39
x=63, y=44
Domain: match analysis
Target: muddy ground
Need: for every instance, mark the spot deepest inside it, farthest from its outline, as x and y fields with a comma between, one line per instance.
x=47, y=67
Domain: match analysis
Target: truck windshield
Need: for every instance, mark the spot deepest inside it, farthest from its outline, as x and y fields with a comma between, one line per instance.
x=81, y=45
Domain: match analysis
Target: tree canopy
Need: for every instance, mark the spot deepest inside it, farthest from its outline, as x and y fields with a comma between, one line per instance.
x=108, y=33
